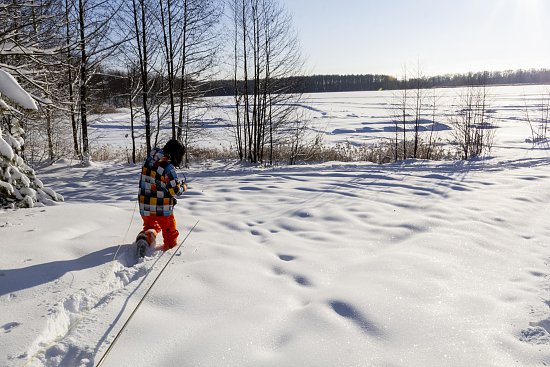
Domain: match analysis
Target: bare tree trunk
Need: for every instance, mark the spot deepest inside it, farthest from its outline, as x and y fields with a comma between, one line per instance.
x=169, y=50
x=70, y=82
x=145, y=79
x=417, y=115
x=83, y=81
x=237, y=95
x=158, y=125
x=132, y=77
x=256, y=102
x=396, y=141
x=143, y=64
x=270, y=134
x=247, y=130
x=431, y=143
x=265, y=103
x=184, y=86
x=49, y=131
x=404, y=106
x=132, y=130
x=545, y=115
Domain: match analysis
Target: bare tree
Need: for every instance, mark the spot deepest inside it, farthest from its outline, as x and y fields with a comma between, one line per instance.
x=167, y=24
x=197, y=55
x=133, y=92
x=142, y=41
x=187, y=35
x=473, y=126
x=434, y=98
x=87, y=42
x=93, y=20
x=418, y=98
x=70, y=62
x=400, y=114
x=266, y=64
x=538, y=124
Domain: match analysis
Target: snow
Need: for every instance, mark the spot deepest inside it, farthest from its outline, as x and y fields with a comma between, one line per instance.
x=7, y=187
x=4, y=105
x=11, y=89
x=6, y=149
x=335, y=264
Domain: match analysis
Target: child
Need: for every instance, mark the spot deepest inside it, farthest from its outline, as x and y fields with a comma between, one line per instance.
x=158, y=188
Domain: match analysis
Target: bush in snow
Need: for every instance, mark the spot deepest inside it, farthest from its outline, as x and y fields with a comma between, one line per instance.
x=19, y=186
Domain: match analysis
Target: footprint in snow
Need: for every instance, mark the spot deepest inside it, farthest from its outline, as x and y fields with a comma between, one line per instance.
x=79, y=308
x=299, y=279
x=537, y=333
x=351, y=313
x=10, y=326
x=302, y=280
x=286, y=257
x=537, y=274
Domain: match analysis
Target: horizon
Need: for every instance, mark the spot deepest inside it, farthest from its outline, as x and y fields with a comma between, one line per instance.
x=362, y=37
x=399, y=77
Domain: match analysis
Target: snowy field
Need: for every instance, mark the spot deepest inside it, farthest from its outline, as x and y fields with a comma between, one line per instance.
x=355, y=117
x=410, y=264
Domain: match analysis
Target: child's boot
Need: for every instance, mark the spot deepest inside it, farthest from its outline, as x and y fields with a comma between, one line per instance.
x=144, y=240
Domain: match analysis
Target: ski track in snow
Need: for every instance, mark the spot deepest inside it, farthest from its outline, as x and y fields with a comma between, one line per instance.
x=74, y=318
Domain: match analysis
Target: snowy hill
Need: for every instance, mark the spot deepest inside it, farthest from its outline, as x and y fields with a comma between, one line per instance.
x=410, y=264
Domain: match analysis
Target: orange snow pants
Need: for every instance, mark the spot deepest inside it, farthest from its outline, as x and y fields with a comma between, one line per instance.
x=165, y=224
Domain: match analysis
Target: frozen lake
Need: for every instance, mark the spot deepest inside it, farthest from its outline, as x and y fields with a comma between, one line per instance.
x=356, y=117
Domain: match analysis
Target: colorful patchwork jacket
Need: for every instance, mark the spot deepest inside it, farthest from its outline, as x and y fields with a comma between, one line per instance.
x=158, y=185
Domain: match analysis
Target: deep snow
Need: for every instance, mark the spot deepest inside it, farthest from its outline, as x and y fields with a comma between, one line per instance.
x=410, y=264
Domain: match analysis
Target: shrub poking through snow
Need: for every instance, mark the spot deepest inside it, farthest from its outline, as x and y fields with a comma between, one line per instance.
x=19, y=186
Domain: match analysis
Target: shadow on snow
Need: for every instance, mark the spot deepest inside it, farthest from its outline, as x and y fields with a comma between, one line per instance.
x=14, y=280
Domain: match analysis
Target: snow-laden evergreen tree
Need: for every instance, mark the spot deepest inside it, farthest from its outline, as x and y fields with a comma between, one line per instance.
x=19, y=186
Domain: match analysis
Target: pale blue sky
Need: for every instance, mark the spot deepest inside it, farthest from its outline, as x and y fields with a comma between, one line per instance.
x=443, y=36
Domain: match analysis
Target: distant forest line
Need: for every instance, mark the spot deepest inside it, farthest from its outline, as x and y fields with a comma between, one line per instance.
x=112, y=87
x=372, y=82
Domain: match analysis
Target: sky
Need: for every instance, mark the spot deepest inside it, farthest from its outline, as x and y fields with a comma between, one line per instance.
x=435, y=36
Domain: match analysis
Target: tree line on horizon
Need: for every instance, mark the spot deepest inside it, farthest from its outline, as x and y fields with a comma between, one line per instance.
x=373, y=82
x=113, y=86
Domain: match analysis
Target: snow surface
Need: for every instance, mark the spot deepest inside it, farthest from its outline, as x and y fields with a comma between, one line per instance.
x=410, y=264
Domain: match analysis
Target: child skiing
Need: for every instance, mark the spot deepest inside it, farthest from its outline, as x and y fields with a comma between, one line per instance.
x=158, y=188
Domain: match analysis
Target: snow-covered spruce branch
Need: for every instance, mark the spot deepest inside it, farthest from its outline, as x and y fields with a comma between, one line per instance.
x=19, y=186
